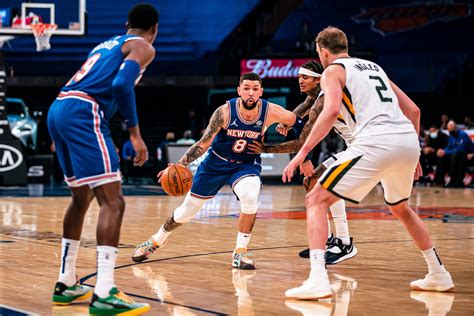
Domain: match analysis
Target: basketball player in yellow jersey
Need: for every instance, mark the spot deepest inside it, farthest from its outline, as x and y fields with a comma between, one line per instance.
x=385, y=124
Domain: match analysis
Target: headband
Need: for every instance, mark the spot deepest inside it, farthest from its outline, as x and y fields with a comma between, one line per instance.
x=307, y=72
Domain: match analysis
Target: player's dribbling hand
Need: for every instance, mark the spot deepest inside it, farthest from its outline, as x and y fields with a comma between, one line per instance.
x=291, y=167
x=141, y=152
x=158, y=176
x=255, y=147
x=282, y=129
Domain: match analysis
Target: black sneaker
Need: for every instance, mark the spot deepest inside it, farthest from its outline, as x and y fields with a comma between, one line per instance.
x=340, y=252
x=329, y=243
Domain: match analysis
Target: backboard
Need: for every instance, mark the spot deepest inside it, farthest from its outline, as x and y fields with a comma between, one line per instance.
x=16, y=16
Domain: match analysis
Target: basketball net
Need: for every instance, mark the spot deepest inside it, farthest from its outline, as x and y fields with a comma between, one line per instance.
x=43, y=33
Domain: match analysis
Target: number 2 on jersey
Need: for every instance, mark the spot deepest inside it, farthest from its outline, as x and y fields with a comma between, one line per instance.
x=86, y=67
x=239, y=145
x=380, y=88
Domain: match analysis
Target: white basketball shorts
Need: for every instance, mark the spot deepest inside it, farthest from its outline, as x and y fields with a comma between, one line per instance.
x=389, y=159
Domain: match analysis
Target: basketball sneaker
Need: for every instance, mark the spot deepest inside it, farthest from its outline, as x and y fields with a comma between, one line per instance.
x=117, y=303
x=65, y=295
x=240, y=260
x=329, y=243
x=314, y=288
x=439, y=282
x=340, y=252
x=145, y=250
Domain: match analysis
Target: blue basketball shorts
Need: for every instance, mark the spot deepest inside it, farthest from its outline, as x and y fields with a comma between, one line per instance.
x=82, y=139
x=214, y=172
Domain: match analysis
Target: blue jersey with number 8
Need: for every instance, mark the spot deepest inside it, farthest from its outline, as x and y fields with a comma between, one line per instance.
x=231, y=142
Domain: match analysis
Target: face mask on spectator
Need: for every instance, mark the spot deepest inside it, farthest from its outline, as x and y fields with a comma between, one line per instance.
x=434, y=135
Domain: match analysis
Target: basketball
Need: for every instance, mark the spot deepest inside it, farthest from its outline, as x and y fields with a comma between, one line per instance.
x=176, y=180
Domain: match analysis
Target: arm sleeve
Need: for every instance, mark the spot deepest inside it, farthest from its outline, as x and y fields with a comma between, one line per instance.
x=123, y=87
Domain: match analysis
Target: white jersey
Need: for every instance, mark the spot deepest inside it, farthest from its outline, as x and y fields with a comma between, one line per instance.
x=369, y=104
x=341, y=127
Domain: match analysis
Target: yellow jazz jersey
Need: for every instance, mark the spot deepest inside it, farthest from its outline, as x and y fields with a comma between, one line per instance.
x=369, y=105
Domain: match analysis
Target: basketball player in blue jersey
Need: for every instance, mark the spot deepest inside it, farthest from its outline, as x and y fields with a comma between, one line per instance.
x=78, y=124
x=232, y=127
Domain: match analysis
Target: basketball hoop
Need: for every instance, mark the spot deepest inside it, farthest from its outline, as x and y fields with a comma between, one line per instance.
x=43, y=33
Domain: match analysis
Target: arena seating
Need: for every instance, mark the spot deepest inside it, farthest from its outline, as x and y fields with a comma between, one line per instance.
x=182, y=35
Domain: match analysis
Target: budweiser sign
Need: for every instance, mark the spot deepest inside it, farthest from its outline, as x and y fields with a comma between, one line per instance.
x=272, y=68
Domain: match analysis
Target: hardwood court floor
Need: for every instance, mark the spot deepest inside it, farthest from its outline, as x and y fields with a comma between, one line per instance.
x=193, y=275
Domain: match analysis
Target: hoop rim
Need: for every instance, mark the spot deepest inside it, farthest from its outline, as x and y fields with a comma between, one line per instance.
x=40, y=28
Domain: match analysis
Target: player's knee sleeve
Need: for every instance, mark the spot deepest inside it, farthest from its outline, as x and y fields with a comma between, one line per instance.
x=247, y=190
x=188, y=209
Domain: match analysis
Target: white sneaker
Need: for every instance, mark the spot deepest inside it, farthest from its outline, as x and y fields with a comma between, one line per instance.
x=437, y=303
x=440, y=282
x=314, y=288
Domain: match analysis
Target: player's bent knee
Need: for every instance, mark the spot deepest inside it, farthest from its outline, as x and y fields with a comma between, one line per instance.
x=318, y=195
x=248, y=190
x=188, y=209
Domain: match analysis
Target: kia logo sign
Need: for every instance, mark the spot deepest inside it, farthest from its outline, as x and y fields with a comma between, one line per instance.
x=272, y=68
x=10, y=158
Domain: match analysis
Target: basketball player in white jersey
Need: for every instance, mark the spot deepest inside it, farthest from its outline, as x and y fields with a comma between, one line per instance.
x=385, y=124
x=341, y=247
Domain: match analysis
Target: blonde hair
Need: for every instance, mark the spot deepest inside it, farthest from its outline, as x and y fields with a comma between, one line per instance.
x=333, y=39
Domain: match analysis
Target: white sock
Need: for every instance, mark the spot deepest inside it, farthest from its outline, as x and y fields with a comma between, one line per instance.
x=106, y=256
x=161, y=235
x=69, y=249
x=329, y=228
x=433, y=261
x=338, y=211
x=243, y=240
x=318, y=264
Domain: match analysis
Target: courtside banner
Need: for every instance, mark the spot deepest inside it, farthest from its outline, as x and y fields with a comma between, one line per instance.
x=273, y=68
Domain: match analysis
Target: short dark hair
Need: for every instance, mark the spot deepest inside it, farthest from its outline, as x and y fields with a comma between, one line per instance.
x=142, y=16
x=250, y=76
x=333, y=39
x=313, y=66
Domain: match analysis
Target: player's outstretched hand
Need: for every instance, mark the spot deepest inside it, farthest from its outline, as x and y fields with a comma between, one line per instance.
x=291, y=167
x=255, y=147
x=141, y=152
x=307, y=168
x=282, y=129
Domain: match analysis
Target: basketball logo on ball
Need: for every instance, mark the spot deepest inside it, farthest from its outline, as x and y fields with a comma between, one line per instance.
x=176, y=180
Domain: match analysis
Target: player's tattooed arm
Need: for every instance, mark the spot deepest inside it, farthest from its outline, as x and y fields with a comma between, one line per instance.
x=302, y=109
x=295, y=145
x=216, y=122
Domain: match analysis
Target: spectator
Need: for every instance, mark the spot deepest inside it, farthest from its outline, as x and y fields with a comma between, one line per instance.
x=468, y=123
x=444, y=123
x=127, y=160
x=187, y=138
x=161, y=151
x=459, y=144
x=305, y=42
x=431, y=162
